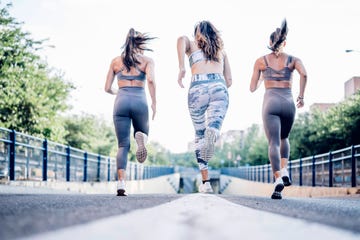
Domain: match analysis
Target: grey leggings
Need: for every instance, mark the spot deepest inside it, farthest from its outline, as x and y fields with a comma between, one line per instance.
x=130, y=107
x=278, y=115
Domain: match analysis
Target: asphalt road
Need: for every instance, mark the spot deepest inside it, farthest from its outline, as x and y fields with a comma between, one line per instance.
x=339, y=212
x=23, y=215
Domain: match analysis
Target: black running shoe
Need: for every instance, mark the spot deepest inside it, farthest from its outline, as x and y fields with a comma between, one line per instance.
x=279, y=186
x=285, y=177
x=121, y=192
x=286, y=180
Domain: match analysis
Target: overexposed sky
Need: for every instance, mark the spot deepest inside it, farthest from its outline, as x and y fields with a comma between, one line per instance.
x=88, y=34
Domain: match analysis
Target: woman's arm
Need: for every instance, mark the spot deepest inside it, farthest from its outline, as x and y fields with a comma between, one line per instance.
x=150, y=76
x=109, y=81
x=255, y=79
x=183, y=45
x=303, y=80
x=227, y=71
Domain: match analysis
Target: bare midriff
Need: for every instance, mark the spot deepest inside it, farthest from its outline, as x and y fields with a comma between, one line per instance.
x=277, y=84
x=132, y=83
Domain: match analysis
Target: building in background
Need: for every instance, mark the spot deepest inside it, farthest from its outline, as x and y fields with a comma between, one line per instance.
x=351, y=86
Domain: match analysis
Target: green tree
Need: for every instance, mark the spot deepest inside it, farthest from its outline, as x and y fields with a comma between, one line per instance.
x=319, y=132
x=32, y=94
x=254, y=150
x=90, y=133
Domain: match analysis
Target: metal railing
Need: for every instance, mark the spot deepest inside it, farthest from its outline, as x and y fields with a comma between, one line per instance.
x=25, y=157
x=340, y=168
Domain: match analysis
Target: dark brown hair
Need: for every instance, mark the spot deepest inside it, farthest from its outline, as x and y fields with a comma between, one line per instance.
x=209, y=40
x=278, y=37
x=134, y=41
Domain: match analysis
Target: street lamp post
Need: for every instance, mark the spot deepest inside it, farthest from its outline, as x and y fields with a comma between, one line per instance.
x=351, y=50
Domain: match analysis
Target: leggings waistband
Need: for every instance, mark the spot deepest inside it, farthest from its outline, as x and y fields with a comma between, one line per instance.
x=206, y=77
x=197, y=79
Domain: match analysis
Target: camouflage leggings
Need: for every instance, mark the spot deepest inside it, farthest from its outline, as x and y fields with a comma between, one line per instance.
x=208, y=101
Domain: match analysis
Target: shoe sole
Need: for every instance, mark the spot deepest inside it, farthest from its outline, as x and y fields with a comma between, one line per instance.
x=208, y=191
x=141, y=152
x=286, y=181
x=277, y=192
x=121, y=192
x=208, y=150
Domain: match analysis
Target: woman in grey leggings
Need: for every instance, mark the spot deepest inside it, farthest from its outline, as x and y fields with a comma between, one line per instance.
x=208, y=98
x=278, y=110
x=132, y=68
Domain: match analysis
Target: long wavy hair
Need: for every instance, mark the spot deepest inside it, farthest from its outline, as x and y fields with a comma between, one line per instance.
x=209, y=40
x=134, y=42
x=278, y=37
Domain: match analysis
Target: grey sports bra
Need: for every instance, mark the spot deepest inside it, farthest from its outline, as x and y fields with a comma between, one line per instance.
x=197, y=56
x=140, y=77
x=284, y=74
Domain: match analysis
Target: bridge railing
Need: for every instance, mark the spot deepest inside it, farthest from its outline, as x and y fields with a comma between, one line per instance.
x=25, y=157
x=340, y=168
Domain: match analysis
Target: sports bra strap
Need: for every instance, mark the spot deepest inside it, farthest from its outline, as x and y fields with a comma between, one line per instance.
x=289, y=60
x=266, y=63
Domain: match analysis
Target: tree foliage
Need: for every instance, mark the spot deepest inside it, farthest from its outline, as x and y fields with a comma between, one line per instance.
x=319, y=132
x=32, y=94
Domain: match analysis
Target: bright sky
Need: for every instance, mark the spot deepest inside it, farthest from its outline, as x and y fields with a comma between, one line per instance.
x=88, y=34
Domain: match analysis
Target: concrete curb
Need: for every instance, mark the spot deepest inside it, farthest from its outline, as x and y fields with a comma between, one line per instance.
x=244, y=187
x=164, y=184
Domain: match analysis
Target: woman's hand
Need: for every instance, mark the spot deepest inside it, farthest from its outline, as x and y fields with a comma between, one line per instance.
x=300, y=102
x=153, y=108
x=181, y=75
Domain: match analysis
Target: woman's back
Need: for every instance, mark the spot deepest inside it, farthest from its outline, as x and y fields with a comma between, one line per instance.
x=200, y=64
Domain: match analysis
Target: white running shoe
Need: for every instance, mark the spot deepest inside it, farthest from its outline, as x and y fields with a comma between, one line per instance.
x=121, y=186
x=205, y=188
x=207, y=152
x=141, y=152
x=279, y=186
x=285, y=177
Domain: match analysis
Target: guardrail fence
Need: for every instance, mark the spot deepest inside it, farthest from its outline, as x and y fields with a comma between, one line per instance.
x=340, y=168
x=24, y=157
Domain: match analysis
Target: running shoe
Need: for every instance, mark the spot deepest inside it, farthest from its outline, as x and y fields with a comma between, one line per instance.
x=279, y=186
x=207, y=151
x=205, y=188
x=285, y=177
x=121, y=188
x=141, y=152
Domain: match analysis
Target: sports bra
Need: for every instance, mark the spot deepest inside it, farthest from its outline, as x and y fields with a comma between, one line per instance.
x=284, y=74
x=140, y=77
x=197, y=56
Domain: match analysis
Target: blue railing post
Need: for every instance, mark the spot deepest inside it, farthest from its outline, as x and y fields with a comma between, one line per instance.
x=263, y=173
x=330, y=170
x=98, y=168
x=12, y=155
x=45, y=160
x=313, y=172
x=353, y=167
x=300, y=172
x=85, y=166
x=108, y=178
x=268, y=167
x=68, y=163
x=290, y=169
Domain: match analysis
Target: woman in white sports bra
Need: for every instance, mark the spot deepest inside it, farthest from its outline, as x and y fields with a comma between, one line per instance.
x=208, y=97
